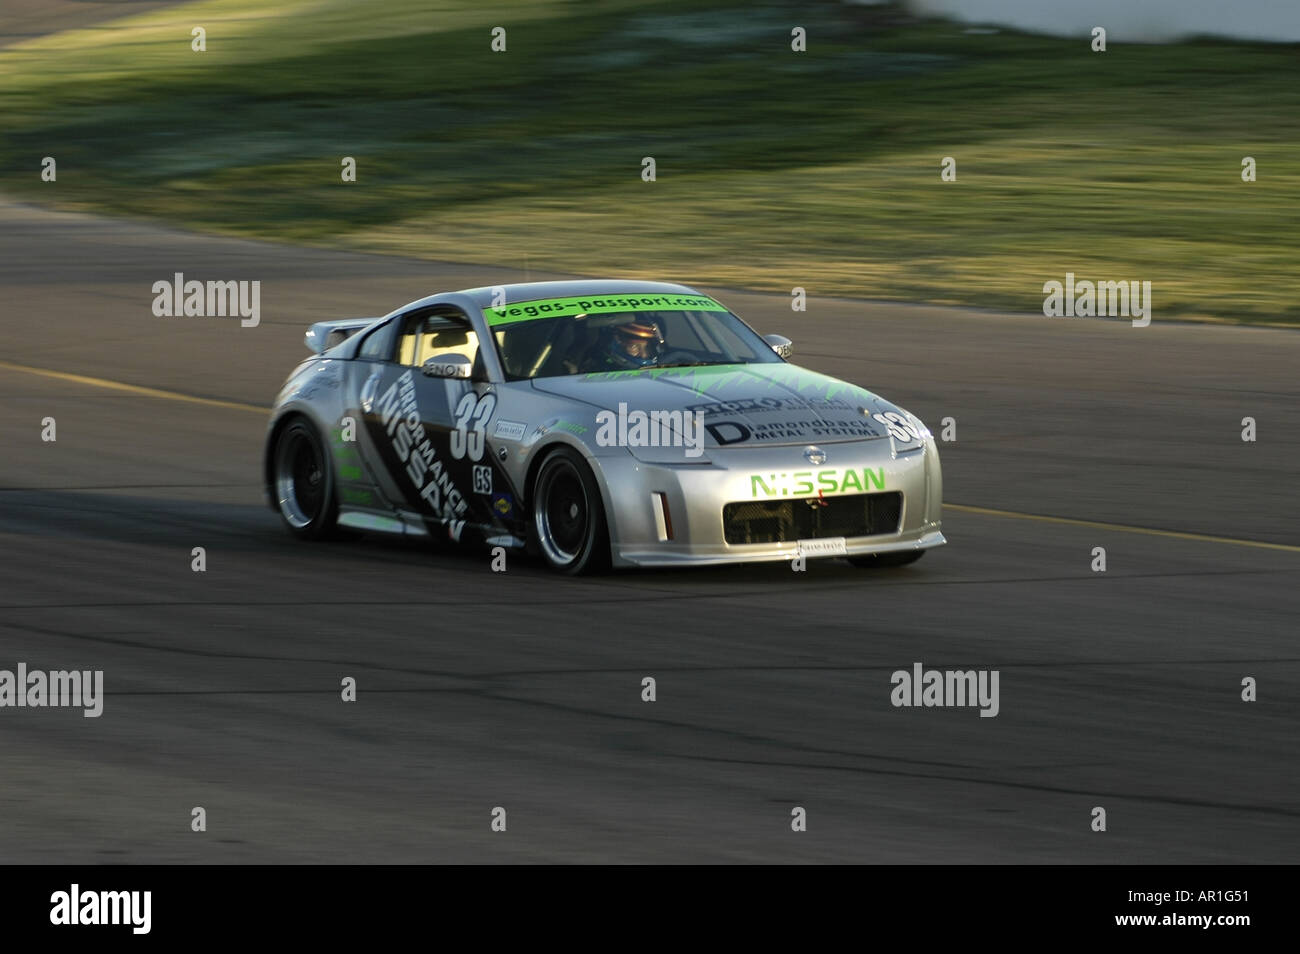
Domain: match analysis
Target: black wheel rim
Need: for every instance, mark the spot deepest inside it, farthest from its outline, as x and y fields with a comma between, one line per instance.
x=562, y=513
x=300, y=479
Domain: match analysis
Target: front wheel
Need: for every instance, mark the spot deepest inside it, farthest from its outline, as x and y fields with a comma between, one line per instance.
x=568, y=516
x=897, y=558
x=304, y=481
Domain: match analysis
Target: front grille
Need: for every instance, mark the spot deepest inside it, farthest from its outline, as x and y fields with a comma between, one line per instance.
x=785, y=521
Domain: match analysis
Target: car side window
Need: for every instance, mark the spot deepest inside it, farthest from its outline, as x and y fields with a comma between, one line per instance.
x=377, y=344
x=435, y=336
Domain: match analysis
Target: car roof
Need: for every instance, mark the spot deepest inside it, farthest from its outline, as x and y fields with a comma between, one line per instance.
x=536, y=291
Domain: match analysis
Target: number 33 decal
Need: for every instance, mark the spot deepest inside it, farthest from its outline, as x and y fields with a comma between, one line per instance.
x=899, y=427
x=467, y=436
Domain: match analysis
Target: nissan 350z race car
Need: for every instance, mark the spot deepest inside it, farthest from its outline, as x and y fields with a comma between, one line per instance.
x=597, y=423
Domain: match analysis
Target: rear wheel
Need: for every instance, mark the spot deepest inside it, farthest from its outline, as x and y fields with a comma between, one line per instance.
x=568, y=517
x=304, y=482
x=898, y=558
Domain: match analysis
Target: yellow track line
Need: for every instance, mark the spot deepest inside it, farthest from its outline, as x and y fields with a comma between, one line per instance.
x=1124, y=528
x=134, y=388
x=961, y=508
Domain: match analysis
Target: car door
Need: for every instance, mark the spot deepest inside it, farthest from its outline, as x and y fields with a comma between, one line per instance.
x=429, y=430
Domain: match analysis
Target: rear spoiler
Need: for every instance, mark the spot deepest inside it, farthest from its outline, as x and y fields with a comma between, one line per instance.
x=324, y=335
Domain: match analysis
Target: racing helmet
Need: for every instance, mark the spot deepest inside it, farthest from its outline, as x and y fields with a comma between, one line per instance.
x=635, y=343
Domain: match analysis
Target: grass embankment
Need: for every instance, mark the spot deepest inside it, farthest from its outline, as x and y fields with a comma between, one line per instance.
x=775, y=168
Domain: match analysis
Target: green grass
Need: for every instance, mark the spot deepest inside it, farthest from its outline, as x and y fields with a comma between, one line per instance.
x=775, y=169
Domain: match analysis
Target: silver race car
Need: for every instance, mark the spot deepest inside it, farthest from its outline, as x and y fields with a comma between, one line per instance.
x=598, y=423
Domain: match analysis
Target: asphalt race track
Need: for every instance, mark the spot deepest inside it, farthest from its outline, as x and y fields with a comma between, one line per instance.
x=1119, y=689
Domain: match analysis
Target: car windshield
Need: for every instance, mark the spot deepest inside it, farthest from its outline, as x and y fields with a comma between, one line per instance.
x=573, y=336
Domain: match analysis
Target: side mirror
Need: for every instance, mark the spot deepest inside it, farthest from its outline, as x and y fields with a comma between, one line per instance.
x=780, y=344
x=447, y=366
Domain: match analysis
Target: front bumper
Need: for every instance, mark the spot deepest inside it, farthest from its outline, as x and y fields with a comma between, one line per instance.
x=692, y=497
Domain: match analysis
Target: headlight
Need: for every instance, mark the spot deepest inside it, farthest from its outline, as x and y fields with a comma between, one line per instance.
x=685, y=455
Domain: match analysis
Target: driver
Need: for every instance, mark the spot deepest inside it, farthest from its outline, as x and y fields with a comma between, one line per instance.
x=633, y=344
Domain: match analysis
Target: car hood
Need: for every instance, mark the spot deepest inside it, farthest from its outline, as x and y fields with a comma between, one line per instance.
x=742, y=405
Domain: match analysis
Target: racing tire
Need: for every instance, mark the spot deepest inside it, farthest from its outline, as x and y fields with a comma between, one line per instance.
x=568, y=516
x=897, y=558
x=302, y=482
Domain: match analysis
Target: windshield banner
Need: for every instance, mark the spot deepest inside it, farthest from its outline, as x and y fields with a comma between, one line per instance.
x=596, y=305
